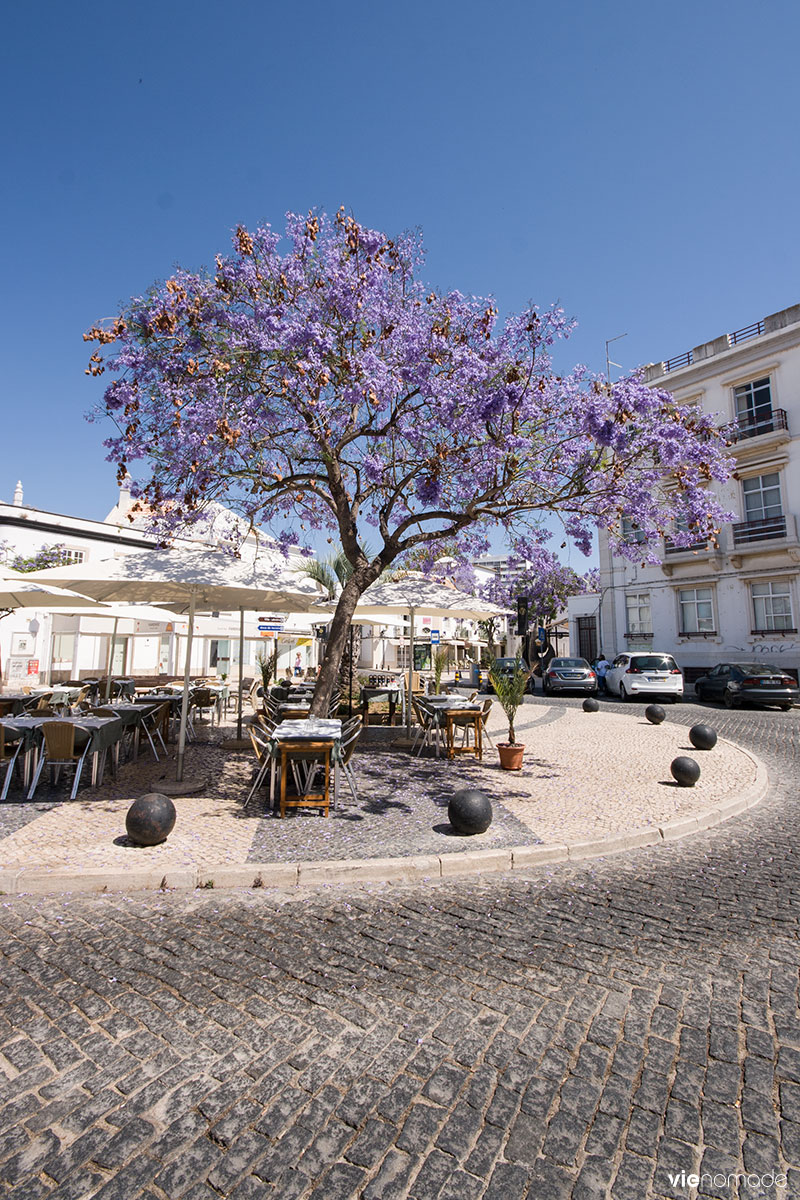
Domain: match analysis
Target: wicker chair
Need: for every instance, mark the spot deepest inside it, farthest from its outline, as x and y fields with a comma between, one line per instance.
x=58, y=750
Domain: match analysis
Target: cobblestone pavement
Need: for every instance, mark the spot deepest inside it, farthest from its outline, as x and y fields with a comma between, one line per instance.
x=604, y=1029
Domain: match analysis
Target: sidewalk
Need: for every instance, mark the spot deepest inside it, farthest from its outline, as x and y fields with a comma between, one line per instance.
x=592, y=784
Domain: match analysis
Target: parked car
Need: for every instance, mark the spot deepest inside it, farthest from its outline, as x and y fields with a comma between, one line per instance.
x=506, y=667
x=569, y=675
x=645, y=673
x=733, y=683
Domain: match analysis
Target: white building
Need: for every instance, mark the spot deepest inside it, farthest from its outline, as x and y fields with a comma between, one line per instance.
x=738, y=600
x=38, y=645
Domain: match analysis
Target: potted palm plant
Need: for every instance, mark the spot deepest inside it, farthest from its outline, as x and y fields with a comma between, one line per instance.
x=509, y=686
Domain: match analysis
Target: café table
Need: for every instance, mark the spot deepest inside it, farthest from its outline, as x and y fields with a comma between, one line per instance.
x=437, y=708
x=102, y=734
x=305, y=742
x=390, y=691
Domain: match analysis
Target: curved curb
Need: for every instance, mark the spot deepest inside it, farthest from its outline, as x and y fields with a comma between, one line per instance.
x=414, y=868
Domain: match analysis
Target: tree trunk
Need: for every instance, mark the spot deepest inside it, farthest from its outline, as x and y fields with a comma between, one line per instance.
x=338, y=638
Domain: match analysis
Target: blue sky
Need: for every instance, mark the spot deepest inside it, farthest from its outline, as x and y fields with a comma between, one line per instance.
x=636, y=162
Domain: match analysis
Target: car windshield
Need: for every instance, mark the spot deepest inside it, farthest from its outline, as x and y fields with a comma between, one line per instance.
x=569, y=662
x=758, y=669
x=654, y=662
x=507, y=664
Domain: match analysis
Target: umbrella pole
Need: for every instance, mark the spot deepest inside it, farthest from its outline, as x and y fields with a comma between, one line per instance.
x=410, y=670
x=111, y=657
x=241, y=674
x=185, y=700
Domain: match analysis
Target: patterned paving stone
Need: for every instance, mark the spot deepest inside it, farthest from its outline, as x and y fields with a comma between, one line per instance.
x=587, y=1030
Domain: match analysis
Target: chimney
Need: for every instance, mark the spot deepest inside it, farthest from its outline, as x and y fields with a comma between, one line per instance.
x=18, y=494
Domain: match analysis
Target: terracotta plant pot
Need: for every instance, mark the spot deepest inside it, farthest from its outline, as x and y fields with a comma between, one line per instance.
x=511, y=755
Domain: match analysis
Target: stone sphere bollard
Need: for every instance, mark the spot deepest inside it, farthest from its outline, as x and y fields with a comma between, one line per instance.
x=655, y=714
x=590, y=705
x=685, y=771
x=470, y=811
x=150, y=819
x=703, y=737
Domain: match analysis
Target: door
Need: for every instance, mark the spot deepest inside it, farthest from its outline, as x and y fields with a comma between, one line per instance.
x=119, y=658
x=587, y=638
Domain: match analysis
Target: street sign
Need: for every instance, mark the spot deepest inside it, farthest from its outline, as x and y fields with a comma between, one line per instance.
x=270, y=628
x=434, y=637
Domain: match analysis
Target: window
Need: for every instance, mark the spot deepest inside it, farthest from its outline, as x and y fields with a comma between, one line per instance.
x=762, y=497
x=772, y=606
x=753, y=407
x=63, y=651
x=68, y=555
x=637, y=608
x=630, y=531
x=696, y=610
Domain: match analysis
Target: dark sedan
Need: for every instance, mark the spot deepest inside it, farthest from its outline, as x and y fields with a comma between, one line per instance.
x=734, y=683
x=569, y=675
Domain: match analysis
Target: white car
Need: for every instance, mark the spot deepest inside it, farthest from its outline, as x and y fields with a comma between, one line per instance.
x=645, y=674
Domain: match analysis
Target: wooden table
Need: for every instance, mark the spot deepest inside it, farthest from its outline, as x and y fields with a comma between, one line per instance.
x=305, y=741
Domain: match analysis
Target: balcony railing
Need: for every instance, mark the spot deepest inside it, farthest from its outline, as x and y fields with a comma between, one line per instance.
x=744, y=335
x=697, y=633
x=770, y=632
x=759, y=531
x=641, y=634
x=754, y=424
x=671, y=548
x=680, y=360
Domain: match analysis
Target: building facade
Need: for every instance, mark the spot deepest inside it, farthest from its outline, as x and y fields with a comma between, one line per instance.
x=37, y=646
x=737, y=599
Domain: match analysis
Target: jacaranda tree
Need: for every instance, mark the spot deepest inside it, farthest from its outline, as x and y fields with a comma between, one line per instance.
x=544, y=581
x=318, y=382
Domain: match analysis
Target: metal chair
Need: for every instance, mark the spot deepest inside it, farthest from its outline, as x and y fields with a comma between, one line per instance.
x=201, y=699
x=427, y=722
x=58, y=750
x=351, y=732
x=487, y=708
x=262, y=748
x=9, y=753
x=152, y=723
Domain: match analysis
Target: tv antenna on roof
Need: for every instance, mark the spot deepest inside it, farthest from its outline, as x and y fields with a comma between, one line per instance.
x=609, y=363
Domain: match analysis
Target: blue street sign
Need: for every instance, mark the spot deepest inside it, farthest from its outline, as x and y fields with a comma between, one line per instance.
x=270, y=629
x=434, y=637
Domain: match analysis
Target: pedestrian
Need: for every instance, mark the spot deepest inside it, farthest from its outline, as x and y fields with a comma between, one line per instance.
x=600, y=667
x=298, y=669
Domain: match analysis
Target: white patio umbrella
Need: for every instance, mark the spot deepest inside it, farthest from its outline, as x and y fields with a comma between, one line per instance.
x=415, y=594
x=197, y=580
x=17, y=590
x=117, y=613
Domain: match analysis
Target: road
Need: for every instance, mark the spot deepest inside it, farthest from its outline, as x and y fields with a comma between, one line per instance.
x=597, y=1029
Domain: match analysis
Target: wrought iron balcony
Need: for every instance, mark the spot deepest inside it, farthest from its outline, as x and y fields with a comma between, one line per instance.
x=692, y=548
x=759, y=531
x=754, y=424
x=770, y=632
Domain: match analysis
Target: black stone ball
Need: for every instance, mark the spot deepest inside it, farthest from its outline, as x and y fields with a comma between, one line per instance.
x=150, y=819
x=590, y=705
x=685, y=771
x=655, y=714
x=703, y=737
x=470, y=811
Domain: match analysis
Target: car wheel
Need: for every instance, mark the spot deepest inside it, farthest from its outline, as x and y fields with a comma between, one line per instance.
x=623, y=695
x=729, y=700
x=785, y=707
x=700, y=693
